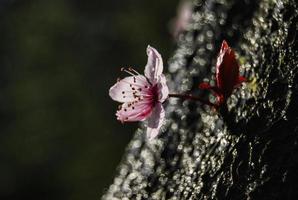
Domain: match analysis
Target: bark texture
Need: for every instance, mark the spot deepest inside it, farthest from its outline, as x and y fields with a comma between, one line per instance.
x=248, y=150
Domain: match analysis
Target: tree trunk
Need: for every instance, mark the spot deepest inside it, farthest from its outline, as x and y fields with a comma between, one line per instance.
x=248, y=150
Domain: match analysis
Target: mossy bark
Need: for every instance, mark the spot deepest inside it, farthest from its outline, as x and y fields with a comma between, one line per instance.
x=249, y=150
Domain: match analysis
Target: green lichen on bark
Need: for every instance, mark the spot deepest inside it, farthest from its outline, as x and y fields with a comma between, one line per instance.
x=250, y=149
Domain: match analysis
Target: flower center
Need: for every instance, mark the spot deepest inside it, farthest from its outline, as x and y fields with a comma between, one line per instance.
x=140, y=88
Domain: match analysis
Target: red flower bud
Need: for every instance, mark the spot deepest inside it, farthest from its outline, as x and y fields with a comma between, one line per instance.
x=227, y=74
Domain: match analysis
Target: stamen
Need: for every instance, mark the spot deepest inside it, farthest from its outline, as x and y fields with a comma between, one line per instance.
x=134, y=71
x=127, y=71
x=134, y=93
x=133, y=84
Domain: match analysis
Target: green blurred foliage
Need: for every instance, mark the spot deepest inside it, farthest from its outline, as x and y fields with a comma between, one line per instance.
x=59, y=137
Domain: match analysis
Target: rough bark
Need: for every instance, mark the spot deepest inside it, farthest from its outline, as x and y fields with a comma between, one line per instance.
x=248, y=150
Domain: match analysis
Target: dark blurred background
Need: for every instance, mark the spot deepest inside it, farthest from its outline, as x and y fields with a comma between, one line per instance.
x=59, y=136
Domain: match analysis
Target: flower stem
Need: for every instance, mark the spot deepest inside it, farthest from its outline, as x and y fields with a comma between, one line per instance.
x=194, y=98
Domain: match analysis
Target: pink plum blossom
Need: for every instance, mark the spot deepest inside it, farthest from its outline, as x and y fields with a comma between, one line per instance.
x=142, y=95
x=183, y=18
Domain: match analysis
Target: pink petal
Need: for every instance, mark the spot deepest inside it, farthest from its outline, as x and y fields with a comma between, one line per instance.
x=122, y=90
x=163, y=89
x=132, y=112
x=154, y=66
x=155, y=121
x=183, y=18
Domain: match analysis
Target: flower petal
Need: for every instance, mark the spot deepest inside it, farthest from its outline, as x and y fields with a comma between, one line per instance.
x=155, y=121
x=163, y=89
x=123, y=90
x=154, y=65
x=132, y=112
